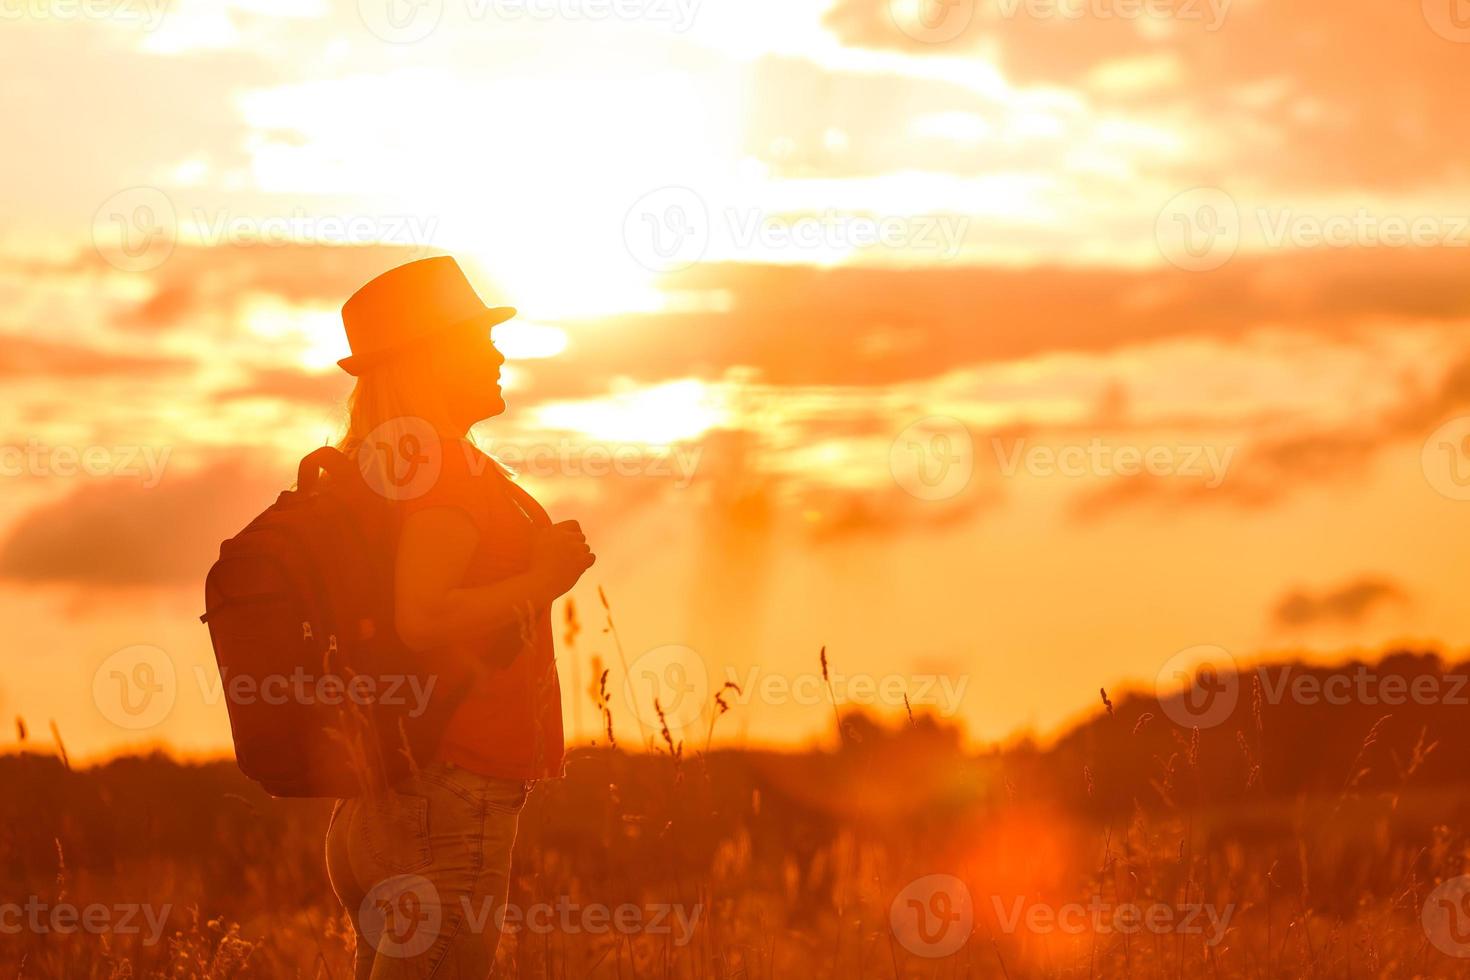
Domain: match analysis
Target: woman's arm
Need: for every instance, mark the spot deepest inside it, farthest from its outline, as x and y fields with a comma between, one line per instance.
x=434, y=552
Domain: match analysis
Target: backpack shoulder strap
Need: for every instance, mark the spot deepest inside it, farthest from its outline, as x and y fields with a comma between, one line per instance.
x=524, y=501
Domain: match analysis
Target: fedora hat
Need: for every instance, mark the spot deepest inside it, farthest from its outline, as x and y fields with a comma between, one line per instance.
x=407, y=307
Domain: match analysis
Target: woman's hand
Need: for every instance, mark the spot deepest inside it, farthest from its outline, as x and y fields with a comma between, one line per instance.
x=559, y=556
x=435, y=549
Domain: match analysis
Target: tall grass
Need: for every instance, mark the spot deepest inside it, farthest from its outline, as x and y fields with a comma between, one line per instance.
x=793, y=864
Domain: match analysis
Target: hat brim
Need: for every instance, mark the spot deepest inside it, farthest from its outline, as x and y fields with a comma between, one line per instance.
x=356, y=364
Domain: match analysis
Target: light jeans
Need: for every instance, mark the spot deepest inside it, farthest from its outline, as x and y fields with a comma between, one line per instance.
x=424, y=872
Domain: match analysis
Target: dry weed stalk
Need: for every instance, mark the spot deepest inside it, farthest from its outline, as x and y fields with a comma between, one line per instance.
x=836, y=716
x=612, y=628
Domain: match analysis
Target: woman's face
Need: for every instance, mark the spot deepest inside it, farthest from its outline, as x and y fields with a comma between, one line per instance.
x=466, y=370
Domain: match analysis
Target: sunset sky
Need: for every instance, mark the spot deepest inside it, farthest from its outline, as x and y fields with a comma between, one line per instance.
x=864, y=266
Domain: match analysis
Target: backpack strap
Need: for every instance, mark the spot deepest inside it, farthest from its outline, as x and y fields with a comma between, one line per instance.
x=525, y=501
x=327, y=458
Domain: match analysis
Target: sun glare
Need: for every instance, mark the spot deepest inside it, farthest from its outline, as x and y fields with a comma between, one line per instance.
x=656, y=415
x=313, y=334
x=526, y=340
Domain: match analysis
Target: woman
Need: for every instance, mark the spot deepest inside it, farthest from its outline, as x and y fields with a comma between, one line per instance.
x=424, y=869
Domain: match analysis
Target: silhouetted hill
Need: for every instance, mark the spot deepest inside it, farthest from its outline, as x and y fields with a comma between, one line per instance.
x=1289, y=729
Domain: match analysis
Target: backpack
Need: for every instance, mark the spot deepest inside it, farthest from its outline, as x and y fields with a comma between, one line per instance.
x=323, y=698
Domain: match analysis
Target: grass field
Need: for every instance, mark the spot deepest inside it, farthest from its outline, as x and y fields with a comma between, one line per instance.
x=1291, y=840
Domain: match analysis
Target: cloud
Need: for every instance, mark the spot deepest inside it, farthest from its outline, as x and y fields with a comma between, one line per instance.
x=851, y=325
x=1344, y=605
x=1259, y=475
x=290, y=385
x=1269, y=469
x=23, y=357
x=865, y=326
x=1285, y=106
x=123, y=533
x=836, y=513
x=197, y=279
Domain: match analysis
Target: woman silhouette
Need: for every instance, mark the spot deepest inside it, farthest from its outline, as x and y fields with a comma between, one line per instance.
x=423, y=870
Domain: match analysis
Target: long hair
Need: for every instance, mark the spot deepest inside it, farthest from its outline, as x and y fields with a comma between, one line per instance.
x=393, y=410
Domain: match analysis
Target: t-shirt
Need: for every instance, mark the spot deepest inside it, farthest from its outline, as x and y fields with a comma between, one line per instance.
x=509, y=724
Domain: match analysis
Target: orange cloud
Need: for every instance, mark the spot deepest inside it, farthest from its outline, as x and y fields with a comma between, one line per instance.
x=123, y=533
x=800, y=325
x=196, y=278
x=1290, y=106
x=1347, y=603
x=290, y=385
x=25, y=357
x=1272, y=468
